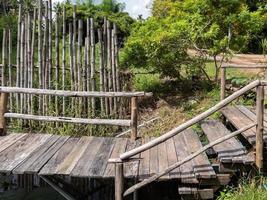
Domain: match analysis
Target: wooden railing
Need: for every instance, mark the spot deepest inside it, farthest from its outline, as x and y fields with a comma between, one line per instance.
x=224, y=70
x=125, y=157
x=5, y=91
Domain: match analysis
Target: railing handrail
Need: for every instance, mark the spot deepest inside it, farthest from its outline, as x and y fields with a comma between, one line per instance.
x=189, y=123
x=69, y=93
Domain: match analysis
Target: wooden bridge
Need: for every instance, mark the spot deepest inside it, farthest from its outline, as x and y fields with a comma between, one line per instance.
x=178, y=155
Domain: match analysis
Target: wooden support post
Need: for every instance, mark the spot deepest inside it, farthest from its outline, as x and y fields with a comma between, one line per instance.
x=259, y=127
x=134, y=117
x=223, y=82
x=119, y=181
x=3, y=109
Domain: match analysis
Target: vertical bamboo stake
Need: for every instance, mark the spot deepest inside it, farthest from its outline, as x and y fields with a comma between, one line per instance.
x=109, y=65
x=93, y=79
x=84, y=76
x=3, y=109
x=101, y=68
x=18, y=57
x=22, y=65
x=10, y=67
x=260, y=127
x=50, y=31
x=32, y=57
x=64, y=58
x=57, y=62
x=40, y=56
x=113, y=70
x=88, y=67
x=119, y=181
x=105, y=66
x=28, y=65
x=71, y=62
x=4, y=59
x=223, y=82
x=116, y=57
x=79, y=62
x=134, y=117
x=74, y=47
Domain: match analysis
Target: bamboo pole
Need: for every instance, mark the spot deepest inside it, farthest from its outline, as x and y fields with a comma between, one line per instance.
x=4, y=57
x=113, y=68
x=18, y=56
x=134, y=117
x=64, y=58
x=57, y=62
x=119, y=181
x=116, y=57
x=32, y=56
x=188, y=158
x=3, y=109
x=10, y=67
x=88, y=67
x=22, y=65
x=79, y=63
x=109, y=65
x=50, y=31
x=93, y=78
x=105, y=75
x=28, y=65
x=260, y=128
x=40, y=56
x=74, y=47
x=101, y=68
x=71, y=56
x=84, y=75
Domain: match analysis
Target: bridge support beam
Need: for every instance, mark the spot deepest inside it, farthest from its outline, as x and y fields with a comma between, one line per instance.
x=119, y=181
x=3, y=109
x=260, y=128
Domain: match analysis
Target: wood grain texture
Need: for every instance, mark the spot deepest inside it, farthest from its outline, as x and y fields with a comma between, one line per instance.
x=10, y=139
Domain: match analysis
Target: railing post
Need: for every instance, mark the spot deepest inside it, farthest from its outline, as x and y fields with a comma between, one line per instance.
x=134, y=117
x=259, y=127
x=223, y=82
x=119, y=181
x=3, y=109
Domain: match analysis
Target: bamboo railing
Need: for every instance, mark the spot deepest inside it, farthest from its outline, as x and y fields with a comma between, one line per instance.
x=5, y=91
x=119, y=162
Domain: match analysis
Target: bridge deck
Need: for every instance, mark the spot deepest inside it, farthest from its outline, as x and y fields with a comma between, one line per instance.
x=87, y=156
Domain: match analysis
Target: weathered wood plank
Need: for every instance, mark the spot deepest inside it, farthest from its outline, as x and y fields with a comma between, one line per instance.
x=41, y=156
x=162, y=158
x=119, y=148
x=19, y=151
x=172, y=158
x=131, y=168
x=83, y=165
x=67, y=165
x=144, y=162
x=52, y=165
x=239, y=120
x=153, y=160
x=187, y=171
x=100, y=161
x=201, y=165
x=8, y=140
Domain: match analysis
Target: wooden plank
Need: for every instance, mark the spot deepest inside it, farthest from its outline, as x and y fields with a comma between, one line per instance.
x=131, y=168
x=6, y=141
x=172, y=158
x=239, y=120
x=52, y=165
x=82, y=167
x=144, y=162
x=119, y=148
x=100, y=161
x=153, y=160
x=41, y=156
x=187, y=171
x=201, y=164
x=67, y=165
x=163, y=159
x=229, y=151
x=19, y=151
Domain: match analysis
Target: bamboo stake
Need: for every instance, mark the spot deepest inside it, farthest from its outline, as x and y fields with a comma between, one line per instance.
x=50, y=31
x=117, y=74
x=109, y=65
x=101, y=68
x=88, y=67
x=3, y=109
x=74, y=47
x=40, y=56
x=113, y=70
x=4, y=58
x=223, y=82
x=64, y=58
x=28, y=65
x=18, y=56
x=10, y=67
x=71, y=56
x=105, y=66
x=119, y=181
x=93, y=79
x=22, y=65
x=79, y=58
x=57, y=62
x=32, y=56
